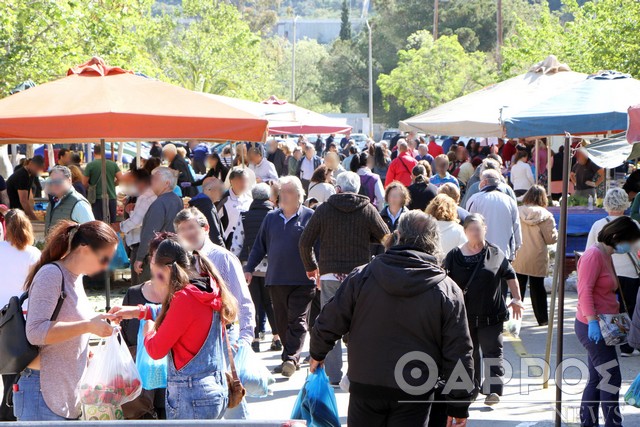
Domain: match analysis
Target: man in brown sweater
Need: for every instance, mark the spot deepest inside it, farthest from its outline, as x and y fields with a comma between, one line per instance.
x=345, y=226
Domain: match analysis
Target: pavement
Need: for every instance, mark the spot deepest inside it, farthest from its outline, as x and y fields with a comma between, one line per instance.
x=525, y=402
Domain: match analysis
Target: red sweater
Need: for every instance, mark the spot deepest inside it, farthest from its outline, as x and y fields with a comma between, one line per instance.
x=185, y=327
x=596, y=285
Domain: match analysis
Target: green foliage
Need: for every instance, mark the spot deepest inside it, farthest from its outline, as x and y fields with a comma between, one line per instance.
x=430, y=73
x=345, y=23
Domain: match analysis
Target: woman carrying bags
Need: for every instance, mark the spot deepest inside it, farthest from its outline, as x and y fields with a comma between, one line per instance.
x=190, y=329
x=47, y=389
x=597, y=285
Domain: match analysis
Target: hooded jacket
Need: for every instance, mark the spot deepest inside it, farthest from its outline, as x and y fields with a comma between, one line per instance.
x=345, y=225
x=538, y=230
x=401, y=302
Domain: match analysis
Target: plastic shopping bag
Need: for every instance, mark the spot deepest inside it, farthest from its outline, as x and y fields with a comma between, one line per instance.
x=254, y=376
x=632, y=396
x=316, y=403
x=120, y=259
x=111, y=377
x=153, y=373
x=514, y=325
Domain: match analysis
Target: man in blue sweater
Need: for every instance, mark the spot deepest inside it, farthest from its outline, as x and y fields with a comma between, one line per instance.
x=291, y=290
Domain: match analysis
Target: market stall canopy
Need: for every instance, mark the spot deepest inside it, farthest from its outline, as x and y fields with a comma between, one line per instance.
x=96, y=101
x=479, y=113
x=286, y=118
x=597, y=104
x=612, y=152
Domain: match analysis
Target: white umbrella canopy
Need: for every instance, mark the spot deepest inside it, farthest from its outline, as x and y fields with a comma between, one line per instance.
x=480, y=113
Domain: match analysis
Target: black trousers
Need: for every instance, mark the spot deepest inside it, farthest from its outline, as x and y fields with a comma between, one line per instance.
x=367, y=412
x=262, y=302
x=6, y=411
x=314, y=310
x=488, y=339
x=629, y=288
x=538, y=296
x=97, y=210
x=291, y=307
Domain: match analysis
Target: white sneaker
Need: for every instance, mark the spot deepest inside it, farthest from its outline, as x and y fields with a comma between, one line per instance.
x=492, y=399
x=634, y=353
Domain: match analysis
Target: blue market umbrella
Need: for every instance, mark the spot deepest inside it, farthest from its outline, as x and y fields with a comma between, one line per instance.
x=597, y=104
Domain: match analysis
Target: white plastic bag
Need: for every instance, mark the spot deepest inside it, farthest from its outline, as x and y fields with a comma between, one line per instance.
x=111, y=377
x=254, y=376
x=513, y=325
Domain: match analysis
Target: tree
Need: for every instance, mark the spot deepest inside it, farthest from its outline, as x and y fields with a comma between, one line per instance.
x=211, y=49
x=430, y=73
x=345, y=24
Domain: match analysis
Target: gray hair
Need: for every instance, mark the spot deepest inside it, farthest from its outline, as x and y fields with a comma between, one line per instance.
x=489, y=164
x=349, y=182
x=63, y=170
x=419, y=230
x=616, y=200
x=261, y=191
x=189, y=214
x=492, y=177
x=168, y=174
x=295, y=181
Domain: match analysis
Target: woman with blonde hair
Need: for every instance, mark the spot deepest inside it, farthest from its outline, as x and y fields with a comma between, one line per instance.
x=17, y=255
x=532, y=259
x=189, y=329
x=444, y=209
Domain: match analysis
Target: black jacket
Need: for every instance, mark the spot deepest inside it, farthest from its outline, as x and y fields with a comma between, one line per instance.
x=184, y=175
x=316, y=162
x=422, y=193
x=251, y=222
x=279, y=160
x=401, y=302
x=204, y=204
x=482, y=290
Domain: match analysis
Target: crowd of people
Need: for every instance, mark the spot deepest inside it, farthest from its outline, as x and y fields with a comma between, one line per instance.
x=406, y=245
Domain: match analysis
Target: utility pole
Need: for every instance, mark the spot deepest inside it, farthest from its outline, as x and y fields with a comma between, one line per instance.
x=293, y=61
x=499, y=34
x=370, y=81
x=435, y=19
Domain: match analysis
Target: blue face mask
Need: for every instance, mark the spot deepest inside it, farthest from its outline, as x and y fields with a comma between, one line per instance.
x=623, y=248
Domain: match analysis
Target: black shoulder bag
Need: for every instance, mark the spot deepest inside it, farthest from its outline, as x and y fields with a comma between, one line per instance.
x=16, y=352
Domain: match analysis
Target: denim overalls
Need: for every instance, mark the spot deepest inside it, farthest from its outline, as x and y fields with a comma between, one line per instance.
x=199, y=390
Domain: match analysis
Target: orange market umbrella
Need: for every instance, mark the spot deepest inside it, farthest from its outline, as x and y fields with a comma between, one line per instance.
x=96, y=102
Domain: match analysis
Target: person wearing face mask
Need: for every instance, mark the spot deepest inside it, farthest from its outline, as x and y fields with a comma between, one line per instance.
x=597, y=285
x=132, y=226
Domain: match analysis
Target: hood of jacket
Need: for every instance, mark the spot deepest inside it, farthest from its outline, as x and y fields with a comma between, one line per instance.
x=200, y=289
x=405, y=271
x=533, y=215
x=348, y=202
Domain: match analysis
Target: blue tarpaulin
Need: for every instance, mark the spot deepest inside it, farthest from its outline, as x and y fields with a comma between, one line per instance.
x=597, y=104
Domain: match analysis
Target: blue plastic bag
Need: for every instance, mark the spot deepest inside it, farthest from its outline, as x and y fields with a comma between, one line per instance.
x=316, y=403
x=120, y=259
x=253, y=375
x=632, y=396
x=153, y=373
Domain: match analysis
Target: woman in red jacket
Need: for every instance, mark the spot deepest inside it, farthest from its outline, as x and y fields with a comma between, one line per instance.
x=190, y=330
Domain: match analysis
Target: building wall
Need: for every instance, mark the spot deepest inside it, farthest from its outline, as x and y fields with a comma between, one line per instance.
x=323, y=30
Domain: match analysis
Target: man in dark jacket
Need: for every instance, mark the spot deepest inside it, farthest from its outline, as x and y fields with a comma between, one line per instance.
x=179, y=164
x=212, y=189
x=307, y=165
x=276, y=156
x=345, y=225
x=404, y=316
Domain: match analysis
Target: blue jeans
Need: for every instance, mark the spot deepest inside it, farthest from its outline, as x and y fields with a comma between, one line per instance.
x=598, y=395
x=240, y=412
x=28, y=403
x=333, y=360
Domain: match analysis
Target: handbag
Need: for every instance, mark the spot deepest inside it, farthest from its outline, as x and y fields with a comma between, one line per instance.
x=615, y=327
x=236, y=390
x=91, y=194
x=16, y=352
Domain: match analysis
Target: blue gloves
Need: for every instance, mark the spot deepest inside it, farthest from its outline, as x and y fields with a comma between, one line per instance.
x=595, y=334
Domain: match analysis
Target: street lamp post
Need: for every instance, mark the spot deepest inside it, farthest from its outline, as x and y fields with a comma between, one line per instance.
x=293, y=61
x=370, y=81
x=435, y=19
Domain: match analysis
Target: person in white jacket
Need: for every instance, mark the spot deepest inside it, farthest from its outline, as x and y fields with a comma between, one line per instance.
x=521, y=174
x=444, y=209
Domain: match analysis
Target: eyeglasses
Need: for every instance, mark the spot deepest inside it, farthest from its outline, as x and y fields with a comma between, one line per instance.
x=55, y=181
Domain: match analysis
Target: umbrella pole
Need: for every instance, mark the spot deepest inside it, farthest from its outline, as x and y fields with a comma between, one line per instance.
x=562, y=245
x=138, y=154
x=105, y=216
x=549, y=160
x=537, y=160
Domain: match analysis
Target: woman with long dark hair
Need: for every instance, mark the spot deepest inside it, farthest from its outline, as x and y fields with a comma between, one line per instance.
x=195, y=310
x=370, y=183
x=381, y=161
x=47, y=389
